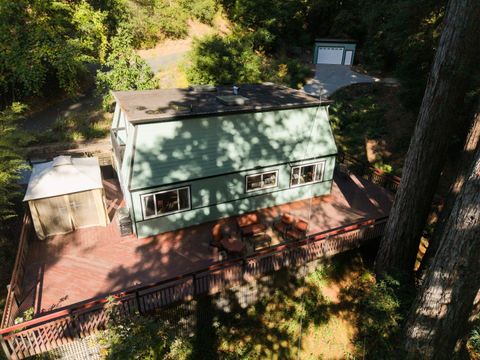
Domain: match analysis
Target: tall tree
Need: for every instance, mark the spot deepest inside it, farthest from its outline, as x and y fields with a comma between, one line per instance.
x=439, y=319
x=455, y=60
x=461, y=169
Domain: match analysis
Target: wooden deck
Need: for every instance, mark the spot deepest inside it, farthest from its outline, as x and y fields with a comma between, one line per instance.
x=90, y=262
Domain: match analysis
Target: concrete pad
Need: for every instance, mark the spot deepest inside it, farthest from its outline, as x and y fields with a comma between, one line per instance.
x=329, y=78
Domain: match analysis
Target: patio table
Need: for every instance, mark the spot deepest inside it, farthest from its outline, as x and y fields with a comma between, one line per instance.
x=233, y=244
x=253, y=229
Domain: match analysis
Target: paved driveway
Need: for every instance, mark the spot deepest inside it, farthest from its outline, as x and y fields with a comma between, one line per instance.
x=329, y=78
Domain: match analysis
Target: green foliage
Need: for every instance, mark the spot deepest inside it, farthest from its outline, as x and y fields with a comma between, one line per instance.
x=225, y=60
x=280, y=22
x=366, y=115
x=139, y=337
x=398, y=36
x=78, y=127
x=43, y=41
x=356, y=116
x=124, y=69
x=474, y=341
x=11, y=162
x=202, y=10
x=151, y=21
x=158, y=20
x=234, y=59
x=379, y=320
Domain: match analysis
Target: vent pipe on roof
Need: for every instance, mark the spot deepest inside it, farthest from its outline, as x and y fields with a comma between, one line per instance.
x=235, y=90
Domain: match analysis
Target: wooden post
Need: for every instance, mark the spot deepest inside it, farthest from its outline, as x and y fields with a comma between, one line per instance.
x=194, y=285
x=5, y=348
x=139, y=306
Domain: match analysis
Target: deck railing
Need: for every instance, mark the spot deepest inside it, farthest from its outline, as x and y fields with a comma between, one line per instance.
x=351, y=164
x=62, y=326
x=14, y=293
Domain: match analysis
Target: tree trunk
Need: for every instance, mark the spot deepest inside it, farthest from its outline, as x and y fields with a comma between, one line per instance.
x=455, y=60
x=463, y=165
x=439, y=319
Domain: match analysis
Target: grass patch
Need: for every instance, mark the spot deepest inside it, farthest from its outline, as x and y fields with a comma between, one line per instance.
x=81, y=126
x=369, y=120
x=172, y=76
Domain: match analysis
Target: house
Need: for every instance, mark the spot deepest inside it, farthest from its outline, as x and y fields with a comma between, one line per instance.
x=185, y=157
x=334, y=51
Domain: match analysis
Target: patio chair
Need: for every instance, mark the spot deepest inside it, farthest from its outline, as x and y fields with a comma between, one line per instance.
x=217, y=236
x=231, y=244
x=298, y=230
x=284, y=224
x=247, y=220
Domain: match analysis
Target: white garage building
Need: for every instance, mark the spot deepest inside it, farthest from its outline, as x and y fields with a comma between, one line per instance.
x=334, y=51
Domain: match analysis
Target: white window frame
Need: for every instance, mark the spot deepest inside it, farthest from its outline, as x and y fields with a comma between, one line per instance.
x=317, y=165
x=143, y=196
x=262, y=174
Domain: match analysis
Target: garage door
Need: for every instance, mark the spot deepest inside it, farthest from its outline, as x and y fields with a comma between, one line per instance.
x=329, y=55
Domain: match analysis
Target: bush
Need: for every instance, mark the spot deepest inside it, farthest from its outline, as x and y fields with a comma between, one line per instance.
x=156, y=20
x=220, y=60
x=379, y=311
x=202, y=10
x=474, y=342
x=140, y=337
x=238, y=58
x=124, y=69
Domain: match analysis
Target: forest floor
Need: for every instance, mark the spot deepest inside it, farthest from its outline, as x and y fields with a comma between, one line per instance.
x=370, y=121
x=318, y=316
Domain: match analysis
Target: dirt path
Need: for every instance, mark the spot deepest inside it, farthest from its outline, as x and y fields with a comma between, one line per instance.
x=171, y=52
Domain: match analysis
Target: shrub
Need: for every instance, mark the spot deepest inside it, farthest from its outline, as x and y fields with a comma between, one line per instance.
x=202, y=10
x=220, y=60
x=238, y=58
x=154, y=21
x=379, y=315
x=124, y=69
x=473, y=344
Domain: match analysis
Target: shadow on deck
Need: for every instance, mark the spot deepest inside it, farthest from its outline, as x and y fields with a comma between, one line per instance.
x=94, y=261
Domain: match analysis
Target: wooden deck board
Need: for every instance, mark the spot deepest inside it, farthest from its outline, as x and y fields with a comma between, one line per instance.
x=95, y=261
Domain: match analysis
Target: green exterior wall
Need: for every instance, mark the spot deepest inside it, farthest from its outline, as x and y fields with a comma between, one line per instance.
x=212, y=155
x=167, y=152
x=345, y=46
x=224, y=196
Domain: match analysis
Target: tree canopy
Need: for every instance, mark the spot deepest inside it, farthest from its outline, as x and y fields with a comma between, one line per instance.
x=47, y=42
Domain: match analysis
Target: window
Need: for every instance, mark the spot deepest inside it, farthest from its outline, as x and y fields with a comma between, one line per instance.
x=261, y=181
x=166, y=202
x=306, y=174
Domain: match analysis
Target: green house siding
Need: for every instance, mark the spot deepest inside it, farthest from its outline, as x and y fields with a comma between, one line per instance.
x=344, y=46
x=212, y=155
x=173, y=151
x=225, y=195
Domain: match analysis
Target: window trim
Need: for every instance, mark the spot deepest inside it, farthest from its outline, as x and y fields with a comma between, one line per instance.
x=143, y=196
x=262, y=174
x=316, y=164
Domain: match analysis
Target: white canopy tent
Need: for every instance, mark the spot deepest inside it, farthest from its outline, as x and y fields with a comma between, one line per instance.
x=66, y=194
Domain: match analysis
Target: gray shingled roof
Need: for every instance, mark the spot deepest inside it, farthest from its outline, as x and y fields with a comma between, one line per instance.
x=164, y=104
